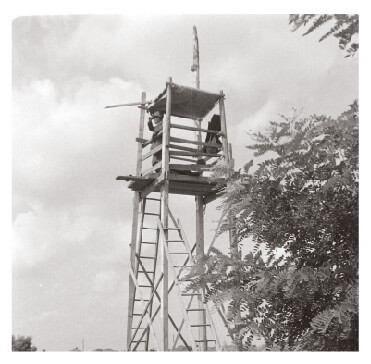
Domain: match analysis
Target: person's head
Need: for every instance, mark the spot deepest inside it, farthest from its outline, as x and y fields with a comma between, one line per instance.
x=157, y=116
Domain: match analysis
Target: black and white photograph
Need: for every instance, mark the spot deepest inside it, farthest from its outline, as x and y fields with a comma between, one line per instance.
x=185, y=182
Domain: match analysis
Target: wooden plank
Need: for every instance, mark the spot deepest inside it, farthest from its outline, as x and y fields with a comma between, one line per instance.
x=210, y=198
x=152, y=169
x=186, y=141
x=194, y=154
x=195, y=179
x=189, y=167
x=150, y=188
x=223, y=126
x=191, y=128
x=141, y=140
x=187, y=149
x=182, y=159
x=152, y=152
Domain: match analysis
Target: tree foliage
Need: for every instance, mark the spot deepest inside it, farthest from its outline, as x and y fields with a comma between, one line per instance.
x=342, y=26
x=298, y=287
x=22, y=343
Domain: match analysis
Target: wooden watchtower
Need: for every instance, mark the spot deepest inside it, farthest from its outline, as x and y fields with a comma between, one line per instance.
x=162, y=313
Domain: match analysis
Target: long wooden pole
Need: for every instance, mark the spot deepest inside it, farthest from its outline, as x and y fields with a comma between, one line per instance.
x=198, y=199
x=164, y=220
x=134, y=228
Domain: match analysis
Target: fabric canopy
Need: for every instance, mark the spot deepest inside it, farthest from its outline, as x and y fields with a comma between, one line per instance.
x=186, y=102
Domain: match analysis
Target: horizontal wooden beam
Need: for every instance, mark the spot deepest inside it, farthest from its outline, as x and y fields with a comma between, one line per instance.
x=192, y=154
x=153, y=168
x=191, y=128
x=183, y=159
x=186, y=141
x=187, y=149
x=189, y=167
x=151, y=152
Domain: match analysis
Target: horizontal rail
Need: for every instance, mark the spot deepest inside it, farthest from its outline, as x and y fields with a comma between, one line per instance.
x=192, y=154
x=191, y=128
x=187, y=141
x=152, y=152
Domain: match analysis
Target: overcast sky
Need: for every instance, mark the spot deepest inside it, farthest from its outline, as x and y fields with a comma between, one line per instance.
x=71, y=219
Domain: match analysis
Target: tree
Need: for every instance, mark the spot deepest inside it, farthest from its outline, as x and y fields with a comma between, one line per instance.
x=22, y=343
x=298, y=287
x=343, y=26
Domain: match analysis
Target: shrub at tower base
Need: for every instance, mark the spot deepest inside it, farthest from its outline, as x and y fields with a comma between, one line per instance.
x=297, y=288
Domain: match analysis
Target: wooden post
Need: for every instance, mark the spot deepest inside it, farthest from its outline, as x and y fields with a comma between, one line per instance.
x=134, y=228
x=164, y=220
x=223, y=126
x=198, y=199
x=227, y=151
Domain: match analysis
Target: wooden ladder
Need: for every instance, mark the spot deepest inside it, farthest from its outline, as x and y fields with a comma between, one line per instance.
x=192, y=304
x=143, y=275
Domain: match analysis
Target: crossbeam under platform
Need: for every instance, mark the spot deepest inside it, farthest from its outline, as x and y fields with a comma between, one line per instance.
x=178, y=184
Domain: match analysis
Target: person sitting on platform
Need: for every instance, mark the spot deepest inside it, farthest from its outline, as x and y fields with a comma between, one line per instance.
x=213, y=125
x=157, y=119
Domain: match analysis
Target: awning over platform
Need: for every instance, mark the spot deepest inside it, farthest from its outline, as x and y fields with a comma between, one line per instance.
x=186, y=102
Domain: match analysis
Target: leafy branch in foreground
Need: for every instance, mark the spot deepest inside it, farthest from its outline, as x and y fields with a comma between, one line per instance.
x=298, y=287
x=342, y=27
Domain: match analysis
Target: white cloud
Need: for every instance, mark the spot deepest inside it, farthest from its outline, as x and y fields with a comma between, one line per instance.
x=107, y=281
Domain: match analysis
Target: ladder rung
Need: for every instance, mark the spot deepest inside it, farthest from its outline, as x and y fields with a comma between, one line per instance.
x=191, y=294
x=138, y=328
x=146, y=257
x=138, y=299
x=200, y=325
x=142, y=271
x=153, y=199
x=175, y=241
x=137, y=314
x=151, y=213
x=149, y=242
x=179, y=253
x=196, y=309
x=149, y=228
x=145, y=286
x=139, y=341
x=171, y=229
x=201, y=341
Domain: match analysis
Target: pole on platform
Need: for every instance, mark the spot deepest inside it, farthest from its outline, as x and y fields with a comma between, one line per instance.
x=134, y=228
x=164, y=220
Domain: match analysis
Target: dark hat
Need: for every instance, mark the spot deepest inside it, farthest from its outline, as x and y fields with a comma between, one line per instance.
x=159, y=114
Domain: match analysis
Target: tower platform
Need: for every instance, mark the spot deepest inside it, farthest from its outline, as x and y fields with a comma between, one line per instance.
x=206, y=187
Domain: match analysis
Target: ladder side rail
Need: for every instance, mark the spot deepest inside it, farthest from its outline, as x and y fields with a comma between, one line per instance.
x=158, y=308
x=208, y=314
x=177, y=284
x=139, y=236
x=148, y=318
x=181, y=325
x=202, y=293
x=179, y=335
x=164, y=218
x=147, y=327
x=146, y=308
x=154, y=269
x=136, y=202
